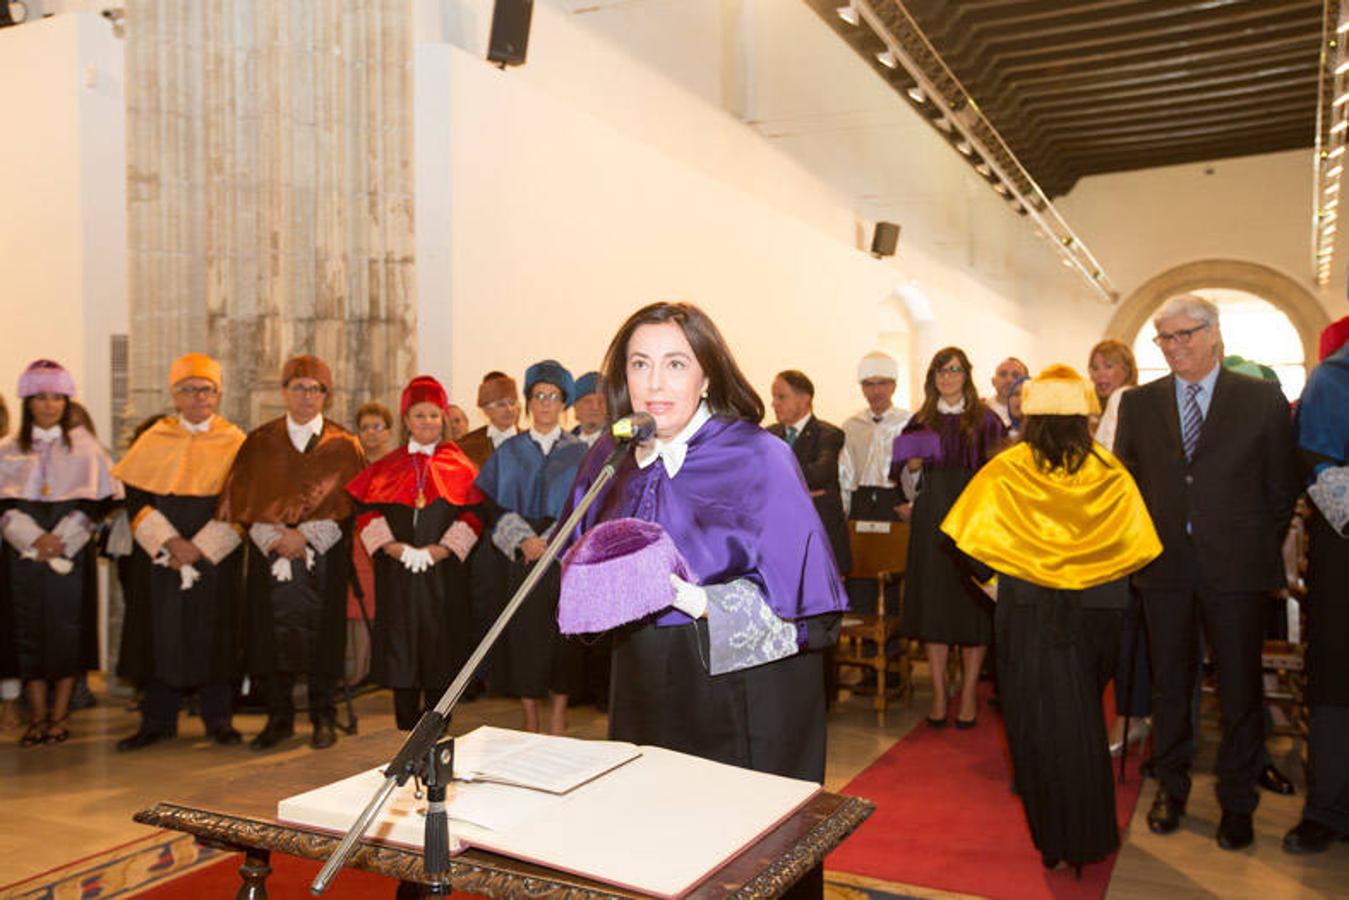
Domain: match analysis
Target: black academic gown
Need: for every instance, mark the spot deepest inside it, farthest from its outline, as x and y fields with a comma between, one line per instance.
x=423, y=623
x=54, y=618
x=298, y=627
x=182, y=638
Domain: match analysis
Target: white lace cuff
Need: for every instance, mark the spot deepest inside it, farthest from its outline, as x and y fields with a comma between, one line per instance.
x=459, y=539
x=321, y=534
x=743, y=630
x=74, y=530
x=152, y=530
x=510, y=532
x=376, y=534
x=216, y=540
x=264, y=535
x=21, y=530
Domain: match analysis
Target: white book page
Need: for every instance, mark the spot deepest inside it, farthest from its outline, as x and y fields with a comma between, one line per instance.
x=541, y=762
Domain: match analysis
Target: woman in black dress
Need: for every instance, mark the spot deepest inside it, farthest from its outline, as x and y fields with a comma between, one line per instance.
x=936, y=454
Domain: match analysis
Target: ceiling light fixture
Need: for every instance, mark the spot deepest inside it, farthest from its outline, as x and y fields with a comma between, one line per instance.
x=948, y=106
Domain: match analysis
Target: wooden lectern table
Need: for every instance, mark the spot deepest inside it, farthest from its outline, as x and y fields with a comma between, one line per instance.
x=240, y=816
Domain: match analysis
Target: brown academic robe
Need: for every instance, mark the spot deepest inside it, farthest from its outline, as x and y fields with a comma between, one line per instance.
x=296, y=626
x=476, y=445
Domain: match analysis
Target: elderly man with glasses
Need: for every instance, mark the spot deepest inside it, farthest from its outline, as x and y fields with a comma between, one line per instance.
x=286, y=488
x=1212, y=452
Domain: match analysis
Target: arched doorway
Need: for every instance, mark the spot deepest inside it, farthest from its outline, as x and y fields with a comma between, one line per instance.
x=1217, y=278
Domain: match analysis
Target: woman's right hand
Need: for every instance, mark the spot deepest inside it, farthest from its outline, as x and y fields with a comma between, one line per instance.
x=532, y=548
x=394, y=549
x=904, y=511
x=48, y=546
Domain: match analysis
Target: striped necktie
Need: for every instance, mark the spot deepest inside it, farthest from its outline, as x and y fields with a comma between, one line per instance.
x=1191, y=420
x=791, y=435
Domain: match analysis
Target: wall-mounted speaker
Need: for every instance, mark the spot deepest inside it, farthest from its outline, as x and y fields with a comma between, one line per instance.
x=884, y=239
x=510, y=32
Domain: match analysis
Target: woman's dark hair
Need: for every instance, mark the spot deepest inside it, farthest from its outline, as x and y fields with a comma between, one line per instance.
x=1059, y=442
x=728, y=391
x=80, y=418
x=974, y=409
x=375, y=408
x=4, y=418
x=26, y=424
x=798, y=382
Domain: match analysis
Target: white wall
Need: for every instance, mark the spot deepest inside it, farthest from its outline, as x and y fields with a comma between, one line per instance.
x=1253, y=208
x=554, y=199
x=63, y=284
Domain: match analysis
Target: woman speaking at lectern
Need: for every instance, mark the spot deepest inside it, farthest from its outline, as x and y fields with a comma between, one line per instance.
x=725, y=663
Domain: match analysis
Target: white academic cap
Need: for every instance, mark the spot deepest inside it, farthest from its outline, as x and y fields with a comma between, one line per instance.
x=878, y=365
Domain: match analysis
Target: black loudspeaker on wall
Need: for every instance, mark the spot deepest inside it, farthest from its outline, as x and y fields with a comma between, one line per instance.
x=884, y=239
x=510, y=32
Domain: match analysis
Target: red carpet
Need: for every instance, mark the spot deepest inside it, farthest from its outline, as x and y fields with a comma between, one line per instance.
x=946, y=818
x=290, y=878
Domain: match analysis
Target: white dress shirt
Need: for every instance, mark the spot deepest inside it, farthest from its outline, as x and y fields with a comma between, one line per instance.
x=201, y=427
x=546, y=441
x=497, y=435
x=423, y=449
x=865, y=460
x=300, y=434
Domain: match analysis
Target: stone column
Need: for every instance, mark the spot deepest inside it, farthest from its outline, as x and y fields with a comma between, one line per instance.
x=270, y=196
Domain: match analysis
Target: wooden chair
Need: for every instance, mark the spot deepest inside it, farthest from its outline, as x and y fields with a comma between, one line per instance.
x=880, y=551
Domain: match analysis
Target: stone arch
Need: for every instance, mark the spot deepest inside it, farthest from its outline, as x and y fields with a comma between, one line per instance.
x=1291, y=298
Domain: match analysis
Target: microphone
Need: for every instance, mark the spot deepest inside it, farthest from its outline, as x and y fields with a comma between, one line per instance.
x=635, y=428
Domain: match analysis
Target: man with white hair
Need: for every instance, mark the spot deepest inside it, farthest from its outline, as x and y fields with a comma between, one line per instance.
x=1213, y=454
x=864, y=466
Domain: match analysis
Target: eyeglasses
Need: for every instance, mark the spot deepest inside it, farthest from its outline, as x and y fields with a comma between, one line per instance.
x=1181, y=337
x=311, y=390
x=196, y=391
x=372, y=428
x=546, y=397
x=950, y=370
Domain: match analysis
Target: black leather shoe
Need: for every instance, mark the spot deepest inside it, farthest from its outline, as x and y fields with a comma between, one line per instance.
x=324, y=736
x=140, y=739
x=1274, y=781
x=227, y=736
x=1166, y=812
x=1235, y=831
x=1311, y=837
x=273, y=733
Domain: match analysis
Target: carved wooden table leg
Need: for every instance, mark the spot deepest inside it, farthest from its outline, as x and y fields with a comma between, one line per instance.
x=254, y=871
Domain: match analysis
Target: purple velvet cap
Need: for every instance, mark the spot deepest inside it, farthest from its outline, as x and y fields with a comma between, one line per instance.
x=924, y=445
x=45, y=377
x=618, y=572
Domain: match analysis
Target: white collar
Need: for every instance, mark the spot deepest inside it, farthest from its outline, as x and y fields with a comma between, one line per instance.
x=300, y=434
x=673, y=451
x=497, y=435
x=423, y=449
x=800, y=424
x=950, y=408
x=590, y=439
x=546, y=441
x=43, y=435
x=200, y=428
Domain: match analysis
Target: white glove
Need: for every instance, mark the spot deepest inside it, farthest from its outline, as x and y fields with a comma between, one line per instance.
x=187, y=575
x=281, y=570
x=309, y=557
x=416, y=560
x=58, y=564
x=689, y=599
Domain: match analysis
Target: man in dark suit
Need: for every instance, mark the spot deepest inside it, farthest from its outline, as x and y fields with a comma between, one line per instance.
x=1212, y=451
x=816, y=445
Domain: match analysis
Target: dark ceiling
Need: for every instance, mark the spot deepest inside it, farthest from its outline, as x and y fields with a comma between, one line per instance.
x=1079, y=88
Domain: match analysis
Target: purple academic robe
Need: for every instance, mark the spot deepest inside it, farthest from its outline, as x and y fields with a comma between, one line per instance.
x=738, y=509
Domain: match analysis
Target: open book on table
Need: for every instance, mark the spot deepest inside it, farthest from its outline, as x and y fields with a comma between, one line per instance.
x=653, y=821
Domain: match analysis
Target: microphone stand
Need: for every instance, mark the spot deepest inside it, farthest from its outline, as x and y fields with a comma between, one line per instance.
x=423, y=755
